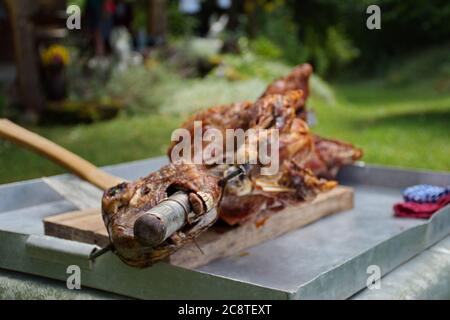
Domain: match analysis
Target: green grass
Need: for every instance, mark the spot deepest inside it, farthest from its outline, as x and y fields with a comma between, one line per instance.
x=402, y=126
x=103, y=143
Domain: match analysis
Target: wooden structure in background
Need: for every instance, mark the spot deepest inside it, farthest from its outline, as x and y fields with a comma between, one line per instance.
x=157, y=19
x=25, y=52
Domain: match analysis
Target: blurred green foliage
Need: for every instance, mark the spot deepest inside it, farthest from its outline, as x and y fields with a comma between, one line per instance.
x=249, y=64
x=79, y=3
x=406, y=26
x=280, y=34
x=140, y=15
x=277, y=24
x=332, y=34
x=180, y=24
x=265, y=48
x=430, y=64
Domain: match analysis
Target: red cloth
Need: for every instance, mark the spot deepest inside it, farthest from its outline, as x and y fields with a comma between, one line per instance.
x=420, y=210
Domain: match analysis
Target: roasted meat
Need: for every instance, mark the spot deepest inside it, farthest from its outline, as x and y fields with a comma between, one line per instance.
x=297, y=79
x=306, y=160
x=123, y=204
x=306, y=163
x=333, y=154
x=294, y=181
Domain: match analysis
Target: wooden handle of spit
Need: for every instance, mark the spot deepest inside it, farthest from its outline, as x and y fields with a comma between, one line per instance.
x=56, y=153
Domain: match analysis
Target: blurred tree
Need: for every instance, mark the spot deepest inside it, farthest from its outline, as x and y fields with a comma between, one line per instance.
x=405, y=25
x=158, y=20
x=26, y=57
x=300, y=36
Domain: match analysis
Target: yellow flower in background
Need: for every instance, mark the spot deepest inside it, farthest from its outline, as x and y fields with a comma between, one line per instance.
x=215, y=59
x=268, y=7
x=55, y=54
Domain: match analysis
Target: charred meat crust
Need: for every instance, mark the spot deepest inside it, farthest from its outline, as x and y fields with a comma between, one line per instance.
x=123, y=204
x=306, y=160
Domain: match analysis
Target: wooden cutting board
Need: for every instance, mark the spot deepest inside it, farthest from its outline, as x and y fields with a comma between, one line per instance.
x=219, y=241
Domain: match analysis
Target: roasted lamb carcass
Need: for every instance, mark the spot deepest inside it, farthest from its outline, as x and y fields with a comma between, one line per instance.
x=294, y=182
x=242, y=198
x=306, y=162
x=305, y=159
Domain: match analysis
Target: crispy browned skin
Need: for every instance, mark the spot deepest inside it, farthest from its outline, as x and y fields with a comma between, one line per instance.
x=297, y=79
x=124, y=204
x=240, y=114
x=294, y=182
x=334, y=154
x=305, y=161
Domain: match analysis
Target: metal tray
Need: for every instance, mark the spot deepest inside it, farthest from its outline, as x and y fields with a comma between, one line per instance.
x=324, y=260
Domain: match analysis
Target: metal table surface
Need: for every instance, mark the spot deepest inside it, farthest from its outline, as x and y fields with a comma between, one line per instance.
x=326, y=259
x=426, y=276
